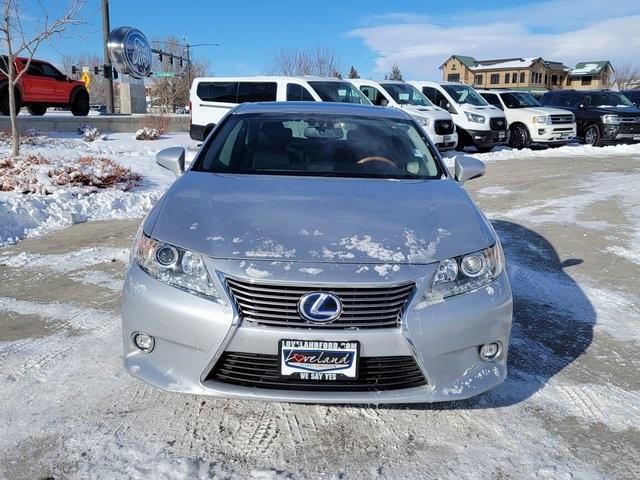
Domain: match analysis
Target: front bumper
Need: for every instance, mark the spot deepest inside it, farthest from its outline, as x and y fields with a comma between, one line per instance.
x=621, y=133
x=191, y=333
x=488, y=138
x=552, y=133
x=442, y=142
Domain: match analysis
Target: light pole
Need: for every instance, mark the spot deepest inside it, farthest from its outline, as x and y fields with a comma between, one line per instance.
x=188, y=46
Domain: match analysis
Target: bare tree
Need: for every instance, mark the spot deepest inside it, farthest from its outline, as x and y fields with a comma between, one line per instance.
x=625, y=76
x=99, y=85
x=320, y=60
x=172, y=91
x=18, y=40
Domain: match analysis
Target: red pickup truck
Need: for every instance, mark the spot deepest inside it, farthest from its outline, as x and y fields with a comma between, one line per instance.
x=42, y=86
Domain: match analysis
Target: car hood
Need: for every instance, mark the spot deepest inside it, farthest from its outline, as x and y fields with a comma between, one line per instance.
x=487, y=110
x=319, y=219
x=434, y=112
x=545, y=111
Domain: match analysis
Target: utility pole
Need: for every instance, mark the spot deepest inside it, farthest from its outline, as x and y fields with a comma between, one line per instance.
x=188, y=68
x=107, y=61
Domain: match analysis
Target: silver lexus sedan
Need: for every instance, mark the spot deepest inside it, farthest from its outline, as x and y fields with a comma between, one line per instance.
x=318, y=252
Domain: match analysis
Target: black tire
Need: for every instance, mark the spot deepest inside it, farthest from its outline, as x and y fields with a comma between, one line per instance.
x=593, y=136
x=463, y=139
x=484, y=149
x=519, y=137
x=4, y=102
x=80, y=105
x=37, y=110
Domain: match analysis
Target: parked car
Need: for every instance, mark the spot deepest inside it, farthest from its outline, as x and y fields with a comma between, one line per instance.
x=211, y=98
x=43, y=86
x=478, y=124
x=529, y=122
x=633, y=95
x=602, y=116
x=434, y=120
x=285, y=265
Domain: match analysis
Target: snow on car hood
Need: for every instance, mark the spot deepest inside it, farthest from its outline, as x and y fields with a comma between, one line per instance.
x=338, y=220
x=488, y=110
x=545, y=111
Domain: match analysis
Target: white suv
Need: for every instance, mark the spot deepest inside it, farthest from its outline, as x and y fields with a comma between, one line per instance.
x=530, y=122
x=436, y=122
x=211, y=98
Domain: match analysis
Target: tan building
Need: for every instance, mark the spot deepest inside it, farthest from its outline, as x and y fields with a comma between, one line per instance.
x=526, y=73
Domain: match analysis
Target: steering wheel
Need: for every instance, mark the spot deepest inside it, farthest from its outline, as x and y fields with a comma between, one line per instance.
x=384, y=160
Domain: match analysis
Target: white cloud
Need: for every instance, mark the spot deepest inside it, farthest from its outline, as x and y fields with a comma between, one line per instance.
x=561, y=31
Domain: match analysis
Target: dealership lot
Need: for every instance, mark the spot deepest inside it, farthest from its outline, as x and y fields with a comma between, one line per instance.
x=570, y=407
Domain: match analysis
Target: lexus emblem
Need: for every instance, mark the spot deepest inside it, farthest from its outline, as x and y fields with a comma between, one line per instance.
x=319, y=307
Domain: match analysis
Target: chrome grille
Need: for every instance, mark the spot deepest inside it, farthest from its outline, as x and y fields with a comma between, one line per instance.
x=555, y=119
x=630, y=120
x=362, y=307
x=443, y=127
x=263, y=371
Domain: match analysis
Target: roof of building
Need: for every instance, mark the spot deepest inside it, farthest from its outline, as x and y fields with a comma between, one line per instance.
x=514, y=62
x=467, y=61
x=590, y=68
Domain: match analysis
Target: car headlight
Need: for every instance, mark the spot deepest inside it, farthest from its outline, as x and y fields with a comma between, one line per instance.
x=465, y=273
x=175, y=266
x=474, y=117
x=612, y=119
x=546, y=119
x=424, y=121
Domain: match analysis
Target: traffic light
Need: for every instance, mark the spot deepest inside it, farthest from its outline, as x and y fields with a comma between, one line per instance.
x=171, y=60
x=96, y=70
x=180, y=62
x=160, y=56
x=107, y=70
x=74, y=70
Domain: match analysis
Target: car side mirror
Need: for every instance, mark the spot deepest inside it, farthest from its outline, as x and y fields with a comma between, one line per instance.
x=467, y=168
x=172, y=159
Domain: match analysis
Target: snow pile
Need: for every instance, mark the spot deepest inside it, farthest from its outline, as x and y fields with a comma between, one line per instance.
x=63, y=203
x=147, y=133
x=37, y=174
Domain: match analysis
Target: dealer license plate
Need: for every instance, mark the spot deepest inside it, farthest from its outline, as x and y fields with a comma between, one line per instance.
x=636, y=137
x=319, y=359
x=501, y=135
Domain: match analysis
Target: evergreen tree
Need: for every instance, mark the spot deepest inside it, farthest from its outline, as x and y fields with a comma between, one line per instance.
x=353, y=73
x=395, y=73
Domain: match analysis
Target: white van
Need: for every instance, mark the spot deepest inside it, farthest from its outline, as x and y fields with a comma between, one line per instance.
x=211, y=98
x=478, y=123
x=530, y=122
x=435, y=121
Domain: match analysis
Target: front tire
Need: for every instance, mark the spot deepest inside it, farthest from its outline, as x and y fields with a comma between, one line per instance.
x=593, y=136
x=519, y=137
x=37, y=110
x=4, y=102
x=80, y=105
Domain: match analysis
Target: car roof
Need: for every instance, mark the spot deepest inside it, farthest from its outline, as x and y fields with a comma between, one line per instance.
x=336, y=108
x=265, y=78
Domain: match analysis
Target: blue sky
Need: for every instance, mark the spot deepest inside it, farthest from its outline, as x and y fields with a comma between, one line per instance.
x=374, y=34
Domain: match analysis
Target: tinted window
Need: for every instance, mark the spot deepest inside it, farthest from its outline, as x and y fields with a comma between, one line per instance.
x=493, y=99
x=606, y=99
x=519, y=100
x=495, y=78
x=225, y=92
x=453, y=77
x=297, y=93
x=374, y=95
x=51, y=71
x=343, y=92
x=35, y=68
x=257, y=92
x=320, y=145
x=406, y=94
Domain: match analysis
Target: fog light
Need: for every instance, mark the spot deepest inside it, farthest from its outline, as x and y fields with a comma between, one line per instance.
x=541, y=131
x=143, y=342
x=490, y=351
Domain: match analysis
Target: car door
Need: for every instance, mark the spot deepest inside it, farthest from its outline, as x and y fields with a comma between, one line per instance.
x=574, y=102
x=57, y=87
x=34, y=83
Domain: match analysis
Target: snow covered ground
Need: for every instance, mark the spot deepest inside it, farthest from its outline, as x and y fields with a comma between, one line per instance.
x=29, y=215
x=569, y=409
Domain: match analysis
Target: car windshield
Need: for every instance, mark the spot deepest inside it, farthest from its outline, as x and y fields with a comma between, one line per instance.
x=606, y=99
x=464, y=94
x=319, y=145
x=343, y=92
x=519, y=100
x=406, y=94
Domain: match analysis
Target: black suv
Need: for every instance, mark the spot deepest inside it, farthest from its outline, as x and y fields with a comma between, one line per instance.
x=602, y=116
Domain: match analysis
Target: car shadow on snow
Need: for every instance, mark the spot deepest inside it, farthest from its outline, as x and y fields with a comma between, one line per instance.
x=553, y=319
